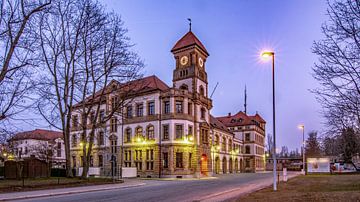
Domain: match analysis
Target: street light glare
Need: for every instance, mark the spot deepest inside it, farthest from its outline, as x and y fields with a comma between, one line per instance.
x=301, y=126
x=266, y=54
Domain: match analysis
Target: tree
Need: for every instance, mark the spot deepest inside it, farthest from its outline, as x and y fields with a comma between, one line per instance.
x=349, y=144
x=269, y=143
x=284, y=152
x=16, y=56
x=337, y=69
x=312, y=147
x=85, y=56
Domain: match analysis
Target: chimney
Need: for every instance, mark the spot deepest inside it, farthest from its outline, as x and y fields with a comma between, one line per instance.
x=229, y=114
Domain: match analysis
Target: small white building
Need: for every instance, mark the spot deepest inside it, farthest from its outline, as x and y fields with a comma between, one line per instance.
x=45, y=145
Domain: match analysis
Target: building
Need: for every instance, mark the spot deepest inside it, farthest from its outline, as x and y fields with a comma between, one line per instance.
x=45, y=145
x=167, y=131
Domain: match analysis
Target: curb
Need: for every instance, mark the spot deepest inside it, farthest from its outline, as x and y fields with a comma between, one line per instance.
x=68, y=192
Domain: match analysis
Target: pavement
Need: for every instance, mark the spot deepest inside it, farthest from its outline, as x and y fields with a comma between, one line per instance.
x=218, y=188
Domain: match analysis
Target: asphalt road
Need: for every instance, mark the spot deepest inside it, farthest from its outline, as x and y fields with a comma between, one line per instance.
x=157, y=190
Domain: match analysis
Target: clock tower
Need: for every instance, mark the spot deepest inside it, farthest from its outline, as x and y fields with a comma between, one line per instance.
x=190, y=62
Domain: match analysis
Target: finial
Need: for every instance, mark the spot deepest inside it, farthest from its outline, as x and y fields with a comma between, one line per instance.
x=189, y=19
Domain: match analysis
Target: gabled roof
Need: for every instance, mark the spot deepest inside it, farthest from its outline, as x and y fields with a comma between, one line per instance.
x=142, y=85
x=187, y=40
x=240, y=119
x=38, y=134
x=217, y=124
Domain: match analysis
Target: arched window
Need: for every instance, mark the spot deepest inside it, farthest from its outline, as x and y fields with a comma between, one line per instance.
x=247, y=149
x=223, y=144
x=139, y=132
x=184, y=87
x=201, y=90
x=150, y=132
x=128, y=135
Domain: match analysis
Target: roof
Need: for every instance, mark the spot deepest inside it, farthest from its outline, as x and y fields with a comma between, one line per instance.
x=240, y=119
x=38, y=134
x=142, y=85
x=217, y=124
x=187, y=40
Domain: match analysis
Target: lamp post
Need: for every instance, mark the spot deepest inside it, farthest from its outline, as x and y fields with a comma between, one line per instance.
x=302, y=127
x=265, y=55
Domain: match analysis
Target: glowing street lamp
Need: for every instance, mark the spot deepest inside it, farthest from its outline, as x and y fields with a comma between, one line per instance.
x=302, y=127
x=266, y=55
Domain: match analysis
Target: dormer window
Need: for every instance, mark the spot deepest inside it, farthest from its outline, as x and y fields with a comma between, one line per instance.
x=184, y=87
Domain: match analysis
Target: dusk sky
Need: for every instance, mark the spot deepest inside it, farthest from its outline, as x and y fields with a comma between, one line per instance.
x=234, y=33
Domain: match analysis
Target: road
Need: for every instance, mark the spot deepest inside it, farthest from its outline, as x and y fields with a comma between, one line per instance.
x=176, y=190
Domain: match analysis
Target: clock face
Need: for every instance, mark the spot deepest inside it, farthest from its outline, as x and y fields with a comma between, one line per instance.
x=184, y=60
x=201, y=62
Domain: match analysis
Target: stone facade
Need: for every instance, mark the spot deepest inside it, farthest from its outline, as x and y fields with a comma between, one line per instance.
x=164, y=131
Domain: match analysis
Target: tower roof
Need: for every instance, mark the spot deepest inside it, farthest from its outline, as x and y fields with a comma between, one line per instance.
x=189, y=39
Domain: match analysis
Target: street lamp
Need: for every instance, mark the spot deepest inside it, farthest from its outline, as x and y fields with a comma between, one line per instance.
x=302, y=127
x=267, y=55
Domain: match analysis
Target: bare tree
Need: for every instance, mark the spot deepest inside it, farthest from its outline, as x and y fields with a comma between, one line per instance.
x=16, y=55
x=108, y=64
x=338, y=69
x=84, y=49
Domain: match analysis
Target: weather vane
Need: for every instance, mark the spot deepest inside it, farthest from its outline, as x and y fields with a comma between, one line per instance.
x=189, y=19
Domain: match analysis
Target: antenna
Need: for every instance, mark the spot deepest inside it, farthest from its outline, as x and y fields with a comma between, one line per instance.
x=217, y=83
x=245, y=104
x=189, y=19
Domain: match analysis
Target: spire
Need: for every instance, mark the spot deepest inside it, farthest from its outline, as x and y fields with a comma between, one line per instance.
x=189, y=19
x=245, y=105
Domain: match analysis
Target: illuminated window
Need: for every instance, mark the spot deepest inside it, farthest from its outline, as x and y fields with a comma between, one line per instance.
x=139, y=132
x=150, y=133
x=179, y=159
x=179, y=107
x=165, y=132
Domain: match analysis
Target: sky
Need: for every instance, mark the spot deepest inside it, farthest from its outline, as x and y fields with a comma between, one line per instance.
x=234, y=33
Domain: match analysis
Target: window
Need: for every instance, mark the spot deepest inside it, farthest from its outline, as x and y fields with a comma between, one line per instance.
x=74, y=161
x=151, y=108
x=129, y=112
x=149, y=159
x=127, y=159
x=92, y=117
x=201, y=90
x=179, y=159
x=114, y=103
x=139, y=110
x=203, y=111
x=58, y=151
x=102, y=116
x=166, y=160
x=165, y=132
x=138, y=159
x=26, y=150
x=113, y=125
x=184, y=86
x=247, y=149
x=113, y=145
x=139, y=132
x=190, y=159
x=179, y=131
x=247, y=136
x=217, y=140
x=223, y=145
x=150, y=133
x=128, y=135
x=204, y=136
x=179, y=107
x=190, y=108
x=247, y=163
x=101, y=138
x=167, y=107
x=101, y=161
x=230, y=146
x=74, y=140
x=190, y=130
x=75, y=121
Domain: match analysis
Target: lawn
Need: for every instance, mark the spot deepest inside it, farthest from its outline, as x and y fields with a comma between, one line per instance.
x=48, y=183
x=312, y=188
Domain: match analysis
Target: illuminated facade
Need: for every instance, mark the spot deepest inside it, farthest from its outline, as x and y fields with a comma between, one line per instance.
x=165, y=131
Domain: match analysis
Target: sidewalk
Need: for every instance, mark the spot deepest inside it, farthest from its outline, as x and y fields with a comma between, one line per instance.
x=229, y=195
x=63, y=191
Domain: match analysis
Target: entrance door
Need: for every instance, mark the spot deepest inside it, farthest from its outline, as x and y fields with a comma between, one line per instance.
x=204, y=164
x=224, y=165
x=217, y=165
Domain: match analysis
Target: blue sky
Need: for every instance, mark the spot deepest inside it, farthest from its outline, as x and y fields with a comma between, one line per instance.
x=234, y=33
